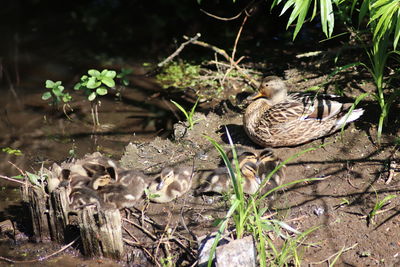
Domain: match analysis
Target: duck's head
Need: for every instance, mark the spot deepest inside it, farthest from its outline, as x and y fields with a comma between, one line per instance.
x=100, y=181
x=249, y=171
x=167, y=176
x=247, y=157
x=273, y=89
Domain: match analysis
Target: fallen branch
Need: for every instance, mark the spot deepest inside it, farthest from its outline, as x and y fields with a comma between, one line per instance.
x=228, y=58
x=177, y=51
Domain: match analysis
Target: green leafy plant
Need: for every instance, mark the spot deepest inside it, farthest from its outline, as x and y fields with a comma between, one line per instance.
x=96, y=84
x=300, y=11
x=12, y=151
x=384, y=23
x=56, y=93
x=378, y=206
x=123, y=76
x=188, y=115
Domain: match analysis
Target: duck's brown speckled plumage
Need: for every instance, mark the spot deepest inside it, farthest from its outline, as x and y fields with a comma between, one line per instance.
x=277, y=119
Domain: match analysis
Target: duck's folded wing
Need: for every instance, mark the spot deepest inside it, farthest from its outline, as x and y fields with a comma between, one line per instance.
x=320, y=107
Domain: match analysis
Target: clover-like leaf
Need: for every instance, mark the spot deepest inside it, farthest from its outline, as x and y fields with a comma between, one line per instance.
x=108, y=81
x=94, y=73
x=93, y=83
x=49, y=84
x=56, y=91
x=101, y=91
x=66, y=98
x=110, y=74
x=92, y=96
x=77, y=86
x=46, y=96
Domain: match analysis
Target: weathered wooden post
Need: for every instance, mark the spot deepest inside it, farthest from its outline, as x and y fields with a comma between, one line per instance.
x=101, y=232
x=58, y=213
x=38, y=206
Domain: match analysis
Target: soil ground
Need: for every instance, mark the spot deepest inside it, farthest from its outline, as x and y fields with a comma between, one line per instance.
x=355, y=172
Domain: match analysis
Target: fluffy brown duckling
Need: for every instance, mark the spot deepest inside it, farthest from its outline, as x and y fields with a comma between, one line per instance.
x=127, y=190
x=172, y=183
x=266, y=163
x=276, y=118
x=82, y=197
x=219, y=181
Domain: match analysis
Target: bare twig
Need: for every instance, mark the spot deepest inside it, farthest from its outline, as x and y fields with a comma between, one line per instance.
x=12, y=179
x=221, y=18
x=41, y=258
x=18, y=168
x=177, y=51
x=138, y=244
x=237, y=38
x=244, y=10
x=141, y=228
x=228, y=58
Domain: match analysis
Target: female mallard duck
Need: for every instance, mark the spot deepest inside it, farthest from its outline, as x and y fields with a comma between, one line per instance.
x=172, y=183
x=126, y=191
x=276, y=119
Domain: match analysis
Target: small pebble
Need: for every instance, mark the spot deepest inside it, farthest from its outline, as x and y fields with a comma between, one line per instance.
x=319, y=211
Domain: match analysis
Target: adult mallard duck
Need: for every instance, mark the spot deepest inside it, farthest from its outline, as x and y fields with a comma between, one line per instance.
x=276, y=118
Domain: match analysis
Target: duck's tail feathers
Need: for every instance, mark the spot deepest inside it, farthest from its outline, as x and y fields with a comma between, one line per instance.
x=354, y=115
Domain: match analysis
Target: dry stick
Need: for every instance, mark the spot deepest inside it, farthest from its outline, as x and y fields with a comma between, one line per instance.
x=226, y=56
x=231, y=68
x=177, y=51
x=137, y=243
x=221, y=18
x=11, y=179
x=162, y=236
x=141, y=228
x=232, y=18
x=18, y=168
x=41, y=258
x=237, y=38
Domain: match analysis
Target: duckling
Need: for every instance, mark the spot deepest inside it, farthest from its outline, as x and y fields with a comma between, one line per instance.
x=96, y=162
x=251, y=180
x=82, y=197
x=173, y=183
x=243, y=155
x=126, y=191
x=266, y=163
x=277, y=119
x=219, y=181
x=52, y=177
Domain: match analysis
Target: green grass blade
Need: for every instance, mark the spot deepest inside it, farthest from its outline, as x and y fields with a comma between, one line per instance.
x=220, y=231
x=305, y=4
x=363, y=11
x=397, y=30
x=358, y=99
x=327, y=17
x=181, y=109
